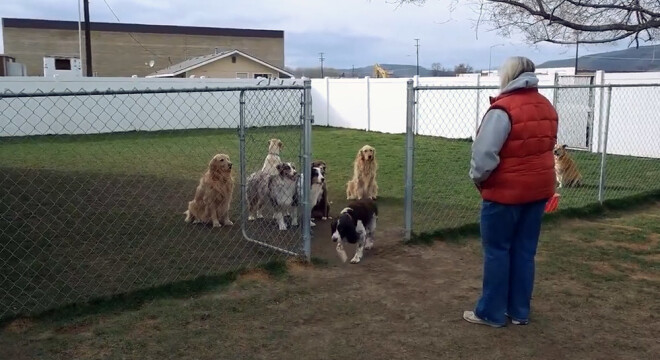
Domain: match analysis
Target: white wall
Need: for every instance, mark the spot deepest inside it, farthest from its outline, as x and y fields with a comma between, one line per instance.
x=144, y=112
x=380, y=105
x=367, y=104
x=634, y=121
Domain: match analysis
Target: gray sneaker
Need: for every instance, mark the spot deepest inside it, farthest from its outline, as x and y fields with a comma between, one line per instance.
x=516, y=322
x=472, y=318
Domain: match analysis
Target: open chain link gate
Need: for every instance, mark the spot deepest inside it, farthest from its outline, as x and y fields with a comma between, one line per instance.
x=93, y=186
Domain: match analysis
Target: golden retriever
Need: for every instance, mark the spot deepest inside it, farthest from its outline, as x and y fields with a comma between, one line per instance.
x=213, y=194
x=273, y=157
x=566, y=169
x=363, y=185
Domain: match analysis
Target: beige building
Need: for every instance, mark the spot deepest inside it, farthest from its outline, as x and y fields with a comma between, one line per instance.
x=225, y=64
x=132, y=49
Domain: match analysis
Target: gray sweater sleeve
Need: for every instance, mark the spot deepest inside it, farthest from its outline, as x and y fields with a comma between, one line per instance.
x=494, y=131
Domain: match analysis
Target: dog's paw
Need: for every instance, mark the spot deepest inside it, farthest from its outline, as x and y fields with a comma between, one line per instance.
x=369, y=245
x=196, y=221
x=342, y=256
x=216, y=224
x=282, y=227
x=251, y=218
x=355, y=260
x=312, y=224
x=229, y=222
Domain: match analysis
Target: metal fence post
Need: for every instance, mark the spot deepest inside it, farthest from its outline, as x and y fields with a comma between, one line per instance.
x=555, y=91
x=477, y=118
x=410, y=149
x=242, y=157
x=367, y=80
x=307, y=169
x=603, y=170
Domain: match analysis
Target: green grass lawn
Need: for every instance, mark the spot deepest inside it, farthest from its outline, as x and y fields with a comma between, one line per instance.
x=79, y=210
x=444, y=196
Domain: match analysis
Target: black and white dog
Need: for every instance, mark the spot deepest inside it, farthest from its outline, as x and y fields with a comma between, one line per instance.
x=321, y=208
x=317, y=187
x=281, y=189
x=356, y=224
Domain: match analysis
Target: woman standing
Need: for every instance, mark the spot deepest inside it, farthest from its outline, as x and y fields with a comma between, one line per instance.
x=513, y=167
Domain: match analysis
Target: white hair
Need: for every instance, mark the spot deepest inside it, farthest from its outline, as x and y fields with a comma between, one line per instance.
x=513, y=67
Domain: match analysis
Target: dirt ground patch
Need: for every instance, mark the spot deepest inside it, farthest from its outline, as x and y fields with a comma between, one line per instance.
x=401, y=302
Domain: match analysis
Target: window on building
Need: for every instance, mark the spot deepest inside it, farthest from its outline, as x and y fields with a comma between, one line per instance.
x=242, y=75
x=267, y=76
x=62, y=64
x=233, y=59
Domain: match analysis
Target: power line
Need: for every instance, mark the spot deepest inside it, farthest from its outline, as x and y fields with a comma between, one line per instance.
x=618, y=58
x=129, y=34
x=417, y=46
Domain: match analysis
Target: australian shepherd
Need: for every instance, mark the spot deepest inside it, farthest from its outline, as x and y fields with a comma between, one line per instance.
x=281, y=190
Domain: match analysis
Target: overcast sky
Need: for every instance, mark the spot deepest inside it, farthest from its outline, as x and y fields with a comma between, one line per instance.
x=349, y=32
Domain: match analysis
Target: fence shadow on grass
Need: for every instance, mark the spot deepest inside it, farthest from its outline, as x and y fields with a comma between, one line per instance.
x=71, y=236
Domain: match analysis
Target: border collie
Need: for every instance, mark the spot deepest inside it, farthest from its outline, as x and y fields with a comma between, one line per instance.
x=356, y=224
x=321, y=208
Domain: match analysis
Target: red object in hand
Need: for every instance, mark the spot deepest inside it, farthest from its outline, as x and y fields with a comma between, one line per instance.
x=552, y=203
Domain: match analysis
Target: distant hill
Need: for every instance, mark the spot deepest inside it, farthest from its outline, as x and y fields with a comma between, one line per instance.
x=398, y=70
x=644, y=58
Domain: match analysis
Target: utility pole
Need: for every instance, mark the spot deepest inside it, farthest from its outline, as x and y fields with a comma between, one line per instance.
x=577, y=46
x=353, y=68
x=88, y=40
x=80, y=33
x=321, y=58
x=417, y=46
x=490, y=56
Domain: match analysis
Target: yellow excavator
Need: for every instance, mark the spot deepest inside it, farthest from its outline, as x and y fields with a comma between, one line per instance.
x=379, y=72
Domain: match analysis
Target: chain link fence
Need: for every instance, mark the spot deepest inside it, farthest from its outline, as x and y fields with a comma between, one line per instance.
x=609, y=131
x=94, y=186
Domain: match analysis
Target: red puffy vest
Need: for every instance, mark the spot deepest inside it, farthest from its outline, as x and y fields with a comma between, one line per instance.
x=526, y=171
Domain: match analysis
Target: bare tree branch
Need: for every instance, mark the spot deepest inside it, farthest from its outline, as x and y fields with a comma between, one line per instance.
x=556, y=21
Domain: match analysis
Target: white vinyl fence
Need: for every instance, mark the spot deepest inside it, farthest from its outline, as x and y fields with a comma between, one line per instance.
x=366, y=104
x=63, y=114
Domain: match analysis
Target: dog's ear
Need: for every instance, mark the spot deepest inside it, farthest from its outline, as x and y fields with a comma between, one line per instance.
x=564, y=146
x=279, y=167
x=280, y=144
x=214, y=165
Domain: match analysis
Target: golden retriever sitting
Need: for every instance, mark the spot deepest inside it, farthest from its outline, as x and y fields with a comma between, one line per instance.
x=273, y=157
x=566, y=169
x=363, y=185
x=213, y=194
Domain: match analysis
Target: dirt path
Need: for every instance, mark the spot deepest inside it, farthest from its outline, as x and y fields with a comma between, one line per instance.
x=401, y=302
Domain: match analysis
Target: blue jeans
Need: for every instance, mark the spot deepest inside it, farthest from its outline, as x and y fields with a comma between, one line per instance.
x=510, y=235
